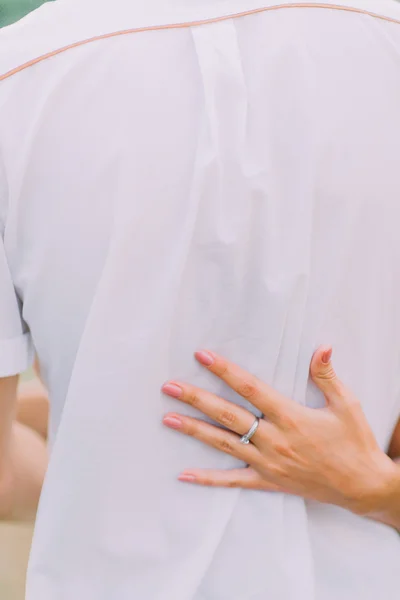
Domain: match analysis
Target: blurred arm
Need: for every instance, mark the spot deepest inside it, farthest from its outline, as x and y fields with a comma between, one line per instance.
x=23, y=459
x=33, y=406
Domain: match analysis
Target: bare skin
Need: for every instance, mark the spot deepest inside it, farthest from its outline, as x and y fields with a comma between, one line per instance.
x=329, y=455
x=23, y=459
x=33, y=406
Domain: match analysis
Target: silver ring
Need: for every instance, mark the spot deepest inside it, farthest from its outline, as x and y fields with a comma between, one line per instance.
x=245, y=439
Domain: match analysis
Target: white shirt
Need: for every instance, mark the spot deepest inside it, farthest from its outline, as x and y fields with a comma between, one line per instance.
x=173, y=179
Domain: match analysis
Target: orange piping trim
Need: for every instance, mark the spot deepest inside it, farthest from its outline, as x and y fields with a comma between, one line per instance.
x=40, y=59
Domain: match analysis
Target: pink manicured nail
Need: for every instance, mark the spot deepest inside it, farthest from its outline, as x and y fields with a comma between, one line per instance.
x=205, y=358
x=187, y=478
x=326, y=356
x=171, y=389
x=173, y=422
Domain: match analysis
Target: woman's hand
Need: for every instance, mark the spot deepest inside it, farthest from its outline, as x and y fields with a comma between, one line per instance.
x=329, y=454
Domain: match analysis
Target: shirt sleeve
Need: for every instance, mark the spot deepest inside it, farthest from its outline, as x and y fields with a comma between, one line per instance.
x=16, y=349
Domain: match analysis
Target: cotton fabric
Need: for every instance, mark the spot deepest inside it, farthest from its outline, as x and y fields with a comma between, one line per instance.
x=233, y=185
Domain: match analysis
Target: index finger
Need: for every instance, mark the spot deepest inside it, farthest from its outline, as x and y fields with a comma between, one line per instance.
x=261, y=395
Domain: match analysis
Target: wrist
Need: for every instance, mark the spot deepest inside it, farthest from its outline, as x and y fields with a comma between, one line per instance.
x=384, y=502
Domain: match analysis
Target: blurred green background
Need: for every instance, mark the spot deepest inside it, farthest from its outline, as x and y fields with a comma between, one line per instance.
x=12, y=10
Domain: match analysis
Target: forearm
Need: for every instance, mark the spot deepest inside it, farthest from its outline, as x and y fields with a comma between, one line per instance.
x=23, y=459
x=22, y=474
x=33, y=406
x=8, y=395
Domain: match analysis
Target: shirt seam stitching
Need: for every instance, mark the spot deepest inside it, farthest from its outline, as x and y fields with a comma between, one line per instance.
x=189, y=24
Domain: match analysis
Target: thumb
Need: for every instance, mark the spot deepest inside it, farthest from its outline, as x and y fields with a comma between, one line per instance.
x=324, y=376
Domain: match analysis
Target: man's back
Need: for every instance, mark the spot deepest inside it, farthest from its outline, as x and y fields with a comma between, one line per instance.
x=178, y=177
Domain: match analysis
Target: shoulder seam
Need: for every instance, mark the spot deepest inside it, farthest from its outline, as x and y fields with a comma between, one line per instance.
x=189, y=24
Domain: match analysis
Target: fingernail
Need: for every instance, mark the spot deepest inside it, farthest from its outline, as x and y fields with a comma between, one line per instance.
x=187, y=478
x=171, y=389
x=326, y=356
x=173, y=422
x=205, y=358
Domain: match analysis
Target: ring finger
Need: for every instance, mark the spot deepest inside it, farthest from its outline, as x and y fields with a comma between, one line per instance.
x=213, y=436
x=227, y=414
